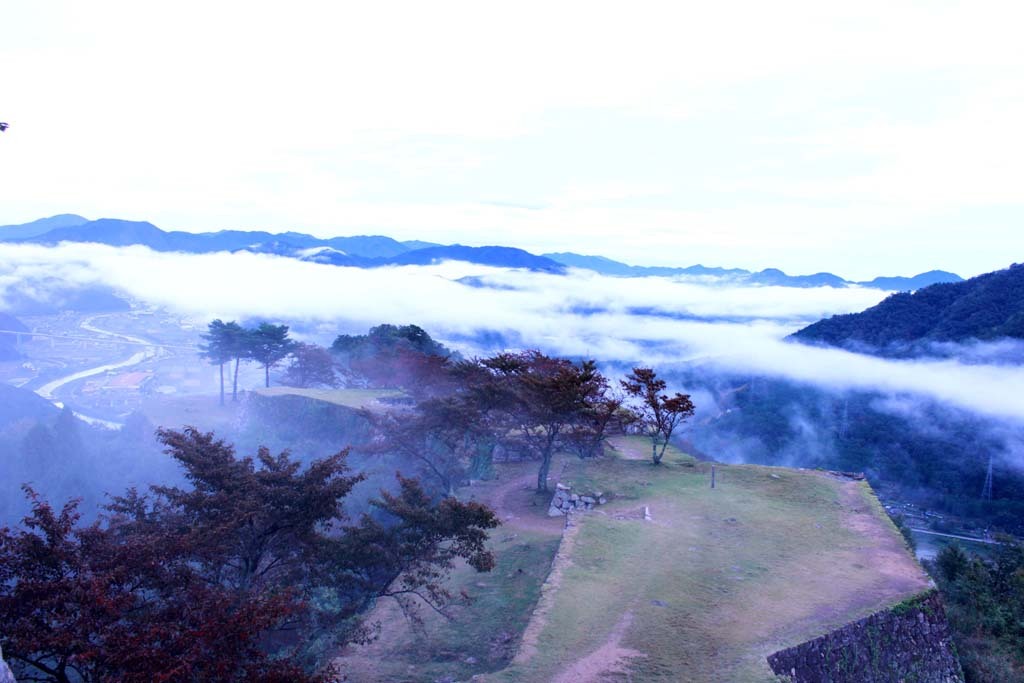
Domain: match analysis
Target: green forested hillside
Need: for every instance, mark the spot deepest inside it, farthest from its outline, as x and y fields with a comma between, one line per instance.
x=986, y=307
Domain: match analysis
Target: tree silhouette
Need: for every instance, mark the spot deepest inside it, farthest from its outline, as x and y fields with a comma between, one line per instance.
x=236, y=340
x=311, y=366
x=268, y=345
x=217, y=348
x=551, y=401
x=657, y=413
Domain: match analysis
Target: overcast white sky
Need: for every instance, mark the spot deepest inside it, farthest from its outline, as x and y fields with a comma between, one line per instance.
x=863, y=138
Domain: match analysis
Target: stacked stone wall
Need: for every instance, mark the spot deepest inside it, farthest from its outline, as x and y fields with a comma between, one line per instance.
x=566, y=501
x=909, y=642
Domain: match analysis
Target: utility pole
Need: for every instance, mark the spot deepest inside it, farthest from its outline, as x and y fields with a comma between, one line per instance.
x=712, y=476
x=844, y=423
x=986, y=490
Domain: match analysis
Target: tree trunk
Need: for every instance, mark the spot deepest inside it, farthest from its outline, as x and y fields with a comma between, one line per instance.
x=266, y=370
x=234, y=388
x=222, y=384
x=542, y=476
x=482, y=462
x=654, y=451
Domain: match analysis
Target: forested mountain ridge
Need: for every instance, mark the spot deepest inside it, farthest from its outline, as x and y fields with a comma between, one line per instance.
x=369, y=251
x=766, y=277
x=361, y=251
x=986, y=307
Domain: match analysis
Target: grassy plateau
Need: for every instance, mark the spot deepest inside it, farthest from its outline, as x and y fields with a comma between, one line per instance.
x=703, y=590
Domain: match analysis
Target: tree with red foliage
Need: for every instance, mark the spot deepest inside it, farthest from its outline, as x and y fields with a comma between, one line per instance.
x=391, y=356
x=658, y=414
x=94, y=604
x=438, y=434
x=553, y=403
x=239, y=576
x=405, y=558
x=248, y=521
x=419, y=374
x=311, y=366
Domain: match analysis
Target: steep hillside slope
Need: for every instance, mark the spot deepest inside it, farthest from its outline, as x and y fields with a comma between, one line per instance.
x=986, y=307
x=21, y=404
x=9, y=342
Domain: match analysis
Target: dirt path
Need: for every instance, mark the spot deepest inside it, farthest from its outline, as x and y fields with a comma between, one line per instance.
x=630, y=450
x=888, y=552
x=610, y=658
x=515, y=500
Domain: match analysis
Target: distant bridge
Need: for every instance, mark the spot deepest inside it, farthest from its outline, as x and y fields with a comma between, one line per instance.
x=117, y=340
x=962, y=538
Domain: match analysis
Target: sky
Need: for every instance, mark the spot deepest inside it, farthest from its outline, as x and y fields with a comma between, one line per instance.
x=869, y=138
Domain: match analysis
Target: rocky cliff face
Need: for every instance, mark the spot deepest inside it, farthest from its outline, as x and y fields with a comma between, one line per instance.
x=908, y=642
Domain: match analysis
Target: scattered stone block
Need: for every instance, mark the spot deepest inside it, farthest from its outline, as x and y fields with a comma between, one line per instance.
x=565, y=501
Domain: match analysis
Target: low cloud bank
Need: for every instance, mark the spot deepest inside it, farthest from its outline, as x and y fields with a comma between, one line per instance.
x=991, y=390
x=738, y=329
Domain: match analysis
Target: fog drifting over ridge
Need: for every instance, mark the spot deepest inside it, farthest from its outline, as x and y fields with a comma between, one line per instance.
x=655, y=320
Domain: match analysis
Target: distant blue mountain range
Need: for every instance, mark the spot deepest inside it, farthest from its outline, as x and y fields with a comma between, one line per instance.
x=768, y=276
x=370, y=251
x=41, y=226
x=360, y=251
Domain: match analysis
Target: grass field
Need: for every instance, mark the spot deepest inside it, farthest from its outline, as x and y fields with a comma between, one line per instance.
x=483, y=634
x=351, y=398
x=714, y=582
x=204, y=411
x=717, y=579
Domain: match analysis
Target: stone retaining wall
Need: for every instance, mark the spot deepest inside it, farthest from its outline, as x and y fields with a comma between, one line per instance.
x=565, y=501
x=908, y=642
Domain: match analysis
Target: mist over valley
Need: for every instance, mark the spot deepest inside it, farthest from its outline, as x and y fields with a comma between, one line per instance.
x=545, y=343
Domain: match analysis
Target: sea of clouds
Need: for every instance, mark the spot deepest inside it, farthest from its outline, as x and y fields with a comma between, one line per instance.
x=649, y=320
